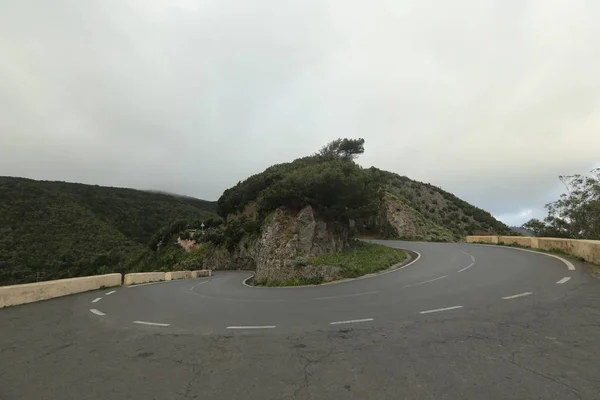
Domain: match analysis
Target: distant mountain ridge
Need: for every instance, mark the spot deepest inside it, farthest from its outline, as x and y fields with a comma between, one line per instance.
x=209, y=204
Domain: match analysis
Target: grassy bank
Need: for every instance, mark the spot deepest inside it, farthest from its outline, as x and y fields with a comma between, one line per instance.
x=361, y=259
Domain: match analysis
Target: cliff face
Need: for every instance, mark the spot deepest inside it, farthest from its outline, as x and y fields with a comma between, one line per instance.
x=286, y=240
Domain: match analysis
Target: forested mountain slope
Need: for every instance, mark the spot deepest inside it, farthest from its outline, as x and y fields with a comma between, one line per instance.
x=51, y=230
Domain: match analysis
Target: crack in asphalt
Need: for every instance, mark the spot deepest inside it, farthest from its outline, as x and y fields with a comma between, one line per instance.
x=540, y=374
x=309, y=362
x=190, y=383
x=307, y=375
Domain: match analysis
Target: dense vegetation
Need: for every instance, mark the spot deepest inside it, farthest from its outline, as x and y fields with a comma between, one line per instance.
x=338, y=189
x=335, y=186
x=53, y=230
x=576, y=214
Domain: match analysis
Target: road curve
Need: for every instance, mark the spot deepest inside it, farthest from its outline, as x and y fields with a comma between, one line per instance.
x=464, y=321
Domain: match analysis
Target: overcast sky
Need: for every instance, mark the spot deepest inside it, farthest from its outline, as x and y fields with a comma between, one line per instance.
x=490, y=100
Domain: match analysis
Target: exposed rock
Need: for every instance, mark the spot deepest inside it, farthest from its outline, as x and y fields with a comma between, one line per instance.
x=399, y=218
x=187, y=244
x=286, y=241
x=396, y=219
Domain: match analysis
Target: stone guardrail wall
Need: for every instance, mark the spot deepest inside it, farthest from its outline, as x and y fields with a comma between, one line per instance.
x=170, y=276
x=201, y=273
x=589, y=250
x=30, y=292
x=143, y=277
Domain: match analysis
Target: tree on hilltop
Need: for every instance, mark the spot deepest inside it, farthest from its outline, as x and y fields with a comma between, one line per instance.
x=347, y=149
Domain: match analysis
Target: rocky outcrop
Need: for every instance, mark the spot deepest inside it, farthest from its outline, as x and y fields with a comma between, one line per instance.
x=396, y=219
x=187, y=244
x=400, y=218
x=280, y=252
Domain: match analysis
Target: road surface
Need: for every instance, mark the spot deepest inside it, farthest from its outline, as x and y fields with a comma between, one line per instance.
x=461, y=322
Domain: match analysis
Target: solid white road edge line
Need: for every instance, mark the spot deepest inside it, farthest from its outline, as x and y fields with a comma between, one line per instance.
x=252, y=327
x=93, y=310
x=569, y=264
x=247, y=279
x=111, y=292
x=430, y=280
x=347, y=295
x=96, y=299
x=516, y=295
x=563, y=280
x=351, y=321
x=469, y=254
x=199, y=283
x=467, y=267
x=150, y=323
x=472, y=260
x=440, y=309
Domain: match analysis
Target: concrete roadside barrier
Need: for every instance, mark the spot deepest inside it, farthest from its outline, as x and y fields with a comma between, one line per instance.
x=169, y=276
x=30, y=292
x=518, y=240
x=143, y=277
x=482, y=239
x=201, y=273
x=589, y=250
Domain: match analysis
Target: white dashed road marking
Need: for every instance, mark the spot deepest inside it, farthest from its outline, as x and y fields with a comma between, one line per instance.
x=111, y=292
x=150, y=323
x=564, y=280
x=516, y=295
x=440, y=310
x=252, y=327
x=430, y=280
x=351, y=321
x=96, y=300
x=93, y=310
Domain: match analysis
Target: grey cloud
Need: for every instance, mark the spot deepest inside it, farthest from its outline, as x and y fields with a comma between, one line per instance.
x=488, y=99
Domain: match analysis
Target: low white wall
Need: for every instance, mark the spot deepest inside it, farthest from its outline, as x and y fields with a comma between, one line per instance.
x=482, y=239
x=520, y=240
x=169, y=276
x=30, y=292
x=589, y=250
x=143, y=277
x=201, y=273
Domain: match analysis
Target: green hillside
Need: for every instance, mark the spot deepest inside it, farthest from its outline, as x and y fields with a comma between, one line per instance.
x=53, y=230
x=339, y=190
x=441, y=214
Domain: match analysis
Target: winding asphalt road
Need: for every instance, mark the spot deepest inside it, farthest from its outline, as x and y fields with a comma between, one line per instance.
x=460, y=322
